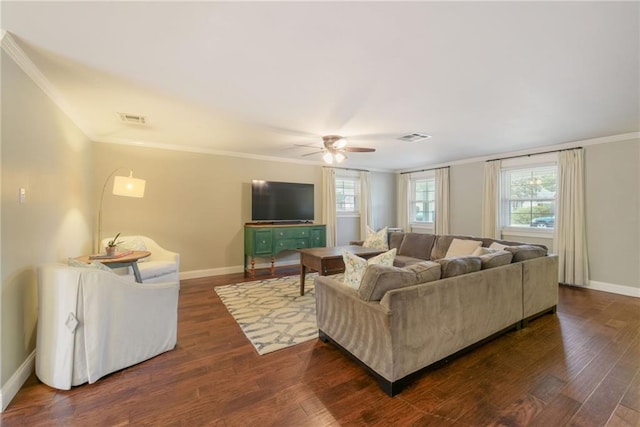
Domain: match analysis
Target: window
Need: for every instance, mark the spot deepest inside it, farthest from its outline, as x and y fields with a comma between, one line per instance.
x=347, y=195
x=423, y=200
x=529, y=197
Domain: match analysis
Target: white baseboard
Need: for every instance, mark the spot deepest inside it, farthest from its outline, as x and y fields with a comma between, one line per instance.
x=17, y=380
x=614, y=289
x=196, y=274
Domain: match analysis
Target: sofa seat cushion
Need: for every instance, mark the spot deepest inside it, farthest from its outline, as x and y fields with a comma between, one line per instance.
x=457, y=266
x=151, y=269
x=404, y=261
x=379, y=279
x=417, y=245
x=525, y=252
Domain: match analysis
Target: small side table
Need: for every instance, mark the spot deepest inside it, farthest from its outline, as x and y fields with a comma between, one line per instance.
x=123, y=261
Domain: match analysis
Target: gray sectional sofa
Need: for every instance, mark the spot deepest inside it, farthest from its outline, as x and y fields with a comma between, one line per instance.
x=428, y=307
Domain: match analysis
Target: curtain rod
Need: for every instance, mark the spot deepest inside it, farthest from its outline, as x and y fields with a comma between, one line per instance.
x=424, y=170
x=346, y=169
x=534, y=154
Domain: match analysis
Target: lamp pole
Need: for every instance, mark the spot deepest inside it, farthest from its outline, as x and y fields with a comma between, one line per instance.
x=100, y=205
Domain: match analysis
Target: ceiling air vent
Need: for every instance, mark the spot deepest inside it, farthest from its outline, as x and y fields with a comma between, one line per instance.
x=132, y=119
x=414, y=137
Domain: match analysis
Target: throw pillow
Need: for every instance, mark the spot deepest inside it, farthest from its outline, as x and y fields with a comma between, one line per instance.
x=376, y=239
x=498, y=246
x=460, y=247
x=355, y=266
x=480, y=250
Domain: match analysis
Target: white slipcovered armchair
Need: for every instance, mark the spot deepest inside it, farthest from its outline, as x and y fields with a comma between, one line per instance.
x=161, y=266
x=93, y=322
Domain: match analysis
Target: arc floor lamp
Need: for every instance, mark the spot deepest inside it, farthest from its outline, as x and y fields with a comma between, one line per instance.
x=122, y=186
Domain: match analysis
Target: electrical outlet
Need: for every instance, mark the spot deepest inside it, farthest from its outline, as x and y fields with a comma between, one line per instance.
x=22, y=195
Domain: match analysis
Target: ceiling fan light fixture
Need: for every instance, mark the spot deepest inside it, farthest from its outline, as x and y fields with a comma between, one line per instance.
x=340, y=143
x=327, y=157
x=339, y=157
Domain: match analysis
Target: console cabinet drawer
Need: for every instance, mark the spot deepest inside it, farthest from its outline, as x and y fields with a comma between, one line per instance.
x=285, y=244
x=267, y=241
x=290, y=233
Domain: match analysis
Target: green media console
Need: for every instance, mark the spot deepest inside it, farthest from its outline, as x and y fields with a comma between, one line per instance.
x=267, y=240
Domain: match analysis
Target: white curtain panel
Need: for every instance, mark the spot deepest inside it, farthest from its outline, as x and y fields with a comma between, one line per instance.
x=329, y=205
x=366, y=215
x=403, y=202
x=571, y=242
x=442, y=201
x=491, y=200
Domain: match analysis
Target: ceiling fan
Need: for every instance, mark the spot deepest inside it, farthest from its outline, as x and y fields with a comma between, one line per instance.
x=335, y=147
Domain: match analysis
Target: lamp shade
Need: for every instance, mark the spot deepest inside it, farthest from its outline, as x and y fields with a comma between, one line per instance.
x=128, y=186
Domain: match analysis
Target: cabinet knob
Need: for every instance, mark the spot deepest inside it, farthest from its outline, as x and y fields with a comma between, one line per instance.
x=264, y=241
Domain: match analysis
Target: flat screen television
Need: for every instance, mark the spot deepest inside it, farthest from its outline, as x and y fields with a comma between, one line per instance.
x=273, y=201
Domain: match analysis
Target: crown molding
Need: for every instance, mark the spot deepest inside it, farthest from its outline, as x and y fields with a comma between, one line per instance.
x=14, y=51
x=209, y=151
x=531, y=152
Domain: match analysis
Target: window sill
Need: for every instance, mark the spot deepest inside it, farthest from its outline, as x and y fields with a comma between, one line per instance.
x=541, y=233
x=421, y=227
x=348, y=215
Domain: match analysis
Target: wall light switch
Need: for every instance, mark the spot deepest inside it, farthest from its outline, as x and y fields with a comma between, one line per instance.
x=22, y=195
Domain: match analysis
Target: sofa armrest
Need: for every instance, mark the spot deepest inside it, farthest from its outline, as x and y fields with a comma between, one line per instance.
x=361, y=327
x=539, y=285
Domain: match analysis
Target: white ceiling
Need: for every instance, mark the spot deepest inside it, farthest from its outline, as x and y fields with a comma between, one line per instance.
x=260, y=77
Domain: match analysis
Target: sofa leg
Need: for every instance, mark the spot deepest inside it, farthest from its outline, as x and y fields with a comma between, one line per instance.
x=322, y=336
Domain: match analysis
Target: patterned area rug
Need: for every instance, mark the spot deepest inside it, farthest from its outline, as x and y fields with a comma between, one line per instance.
x=271, y=312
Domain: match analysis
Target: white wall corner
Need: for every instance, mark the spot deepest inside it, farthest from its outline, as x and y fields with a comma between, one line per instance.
x=614, y=289
x=14, y=51
x=17, y=380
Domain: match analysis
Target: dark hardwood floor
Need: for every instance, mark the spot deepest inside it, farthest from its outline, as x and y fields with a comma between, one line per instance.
x=579, y=367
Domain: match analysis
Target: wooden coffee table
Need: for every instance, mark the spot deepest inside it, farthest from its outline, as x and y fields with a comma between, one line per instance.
x=123, y=261
x=327, y=261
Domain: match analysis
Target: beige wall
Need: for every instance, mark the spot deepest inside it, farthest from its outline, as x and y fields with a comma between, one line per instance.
x=612, y=207
x=195, y=204
x=43, y=152
x=465, y=190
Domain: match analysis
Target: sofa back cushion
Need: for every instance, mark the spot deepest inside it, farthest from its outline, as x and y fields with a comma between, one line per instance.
x=457, y=266
x=417, y=245
x=442, y=243
x=378, y=279
x=395, y=240
x=486, y=242
x=525, y=252
x=491, y=258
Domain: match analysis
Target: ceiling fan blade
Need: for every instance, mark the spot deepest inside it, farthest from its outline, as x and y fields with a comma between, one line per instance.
x=359, y=149
x=311, y=154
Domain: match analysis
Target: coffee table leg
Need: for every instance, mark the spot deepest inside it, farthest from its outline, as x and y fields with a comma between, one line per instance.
x=303, y=272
